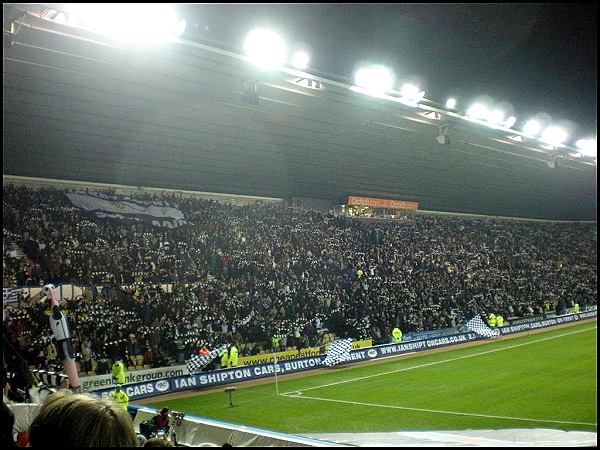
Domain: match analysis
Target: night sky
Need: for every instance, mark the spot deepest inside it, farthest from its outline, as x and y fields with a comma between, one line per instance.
x=540, y=58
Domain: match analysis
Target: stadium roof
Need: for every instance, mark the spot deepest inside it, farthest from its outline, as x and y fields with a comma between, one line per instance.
x=184, y=115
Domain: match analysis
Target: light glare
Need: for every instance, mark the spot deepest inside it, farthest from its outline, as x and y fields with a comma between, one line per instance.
x=411, y=92
x=496, y=116
x=451, y=103
x=510, y=121
x=265, y=48
x=127, y=21
x=532, y=128
x=587, y=147
x=376, y=78
x=554, y=135
x=61, y=18
x=180, y=28
x=478, y=111
x=300, y=60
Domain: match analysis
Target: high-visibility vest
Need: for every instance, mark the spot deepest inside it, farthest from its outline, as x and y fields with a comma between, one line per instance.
x=118, y=372
x=396, y=335
x=233, y=356
x=224, y=358
x=121, y=398
x=275, y=341
x=576, y=308
x=491, y=320
x=499, y=321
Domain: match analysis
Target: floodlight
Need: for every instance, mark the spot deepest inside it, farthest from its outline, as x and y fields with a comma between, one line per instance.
x=411, y=92
x=180, y=28
x=554, y=135
x=508, y=123
x=532, y=128
x=73, y=20
x=451, y=103
x=265, y=48
x=153, y=22
x=375, y=78
x=587, y=147
x=300, y=60
x=496, y=116
x=478, y=111
x=61, y=18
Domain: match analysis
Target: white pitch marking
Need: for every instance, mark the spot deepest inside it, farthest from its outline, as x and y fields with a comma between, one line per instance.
x=439, y=362
x=446, y=412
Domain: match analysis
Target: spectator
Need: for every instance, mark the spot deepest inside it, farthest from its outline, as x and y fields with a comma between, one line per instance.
x=157, y=442
x=79, y=420
x=86, y=356
x=161, y=420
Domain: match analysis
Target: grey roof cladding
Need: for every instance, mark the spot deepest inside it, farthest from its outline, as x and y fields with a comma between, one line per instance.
x=174, y=116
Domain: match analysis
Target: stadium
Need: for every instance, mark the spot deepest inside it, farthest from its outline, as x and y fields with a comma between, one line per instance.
x=274, y=256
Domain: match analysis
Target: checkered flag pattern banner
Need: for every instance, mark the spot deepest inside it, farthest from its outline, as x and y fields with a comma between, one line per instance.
x=338, y=352
x=477, y=325
x=197, y=362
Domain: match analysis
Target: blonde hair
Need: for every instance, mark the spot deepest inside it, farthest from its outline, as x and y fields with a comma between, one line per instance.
x=80, y=420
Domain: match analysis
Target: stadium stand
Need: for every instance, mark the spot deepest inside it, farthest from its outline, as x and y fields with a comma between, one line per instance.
x=245, y=273
x=164, y=273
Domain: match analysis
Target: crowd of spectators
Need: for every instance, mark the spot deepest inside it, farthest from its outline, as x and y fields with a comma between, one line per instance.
x=246, y=273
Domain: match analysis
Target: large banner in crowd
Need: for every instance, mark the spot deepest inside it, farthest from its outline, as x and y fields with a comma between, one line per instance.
x=103, y=205
x=239, y=374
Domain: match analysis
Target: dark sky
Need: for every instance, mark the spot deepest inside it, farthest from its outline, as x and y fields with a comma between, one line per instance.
x=541, y=58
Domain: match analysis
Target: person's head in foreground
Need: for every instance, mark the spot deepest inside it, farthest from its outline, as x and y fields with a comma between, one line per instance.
x=158, y=442
x=80, y=420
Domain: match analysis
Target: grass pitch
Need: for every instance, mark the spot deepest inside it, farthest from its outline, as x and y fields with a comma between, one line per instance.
x=541, y=380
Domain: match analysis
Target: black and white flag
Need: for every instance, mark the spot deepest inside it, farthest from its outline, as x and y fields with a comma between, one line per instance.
x=159, y=213
x=197, y=362
x=11, y=295
x=478, y=326
x=338, y=352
